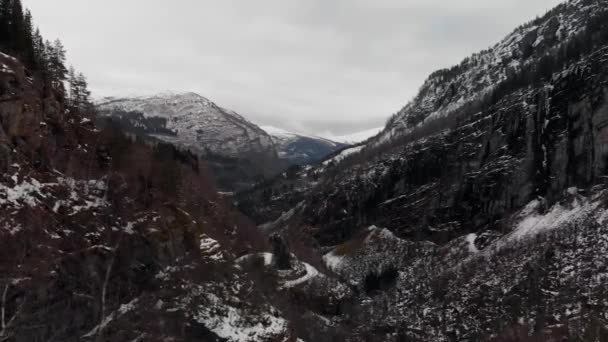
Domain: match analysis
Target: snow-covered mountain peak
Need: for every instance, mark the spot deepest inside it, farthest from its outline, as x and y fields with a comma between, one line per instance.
x=196, y=122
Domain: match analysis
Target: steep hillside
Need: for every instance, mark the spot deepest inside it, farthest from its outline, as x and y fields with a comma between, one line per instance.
x=104, y=238
x=192, y=121
x=487, y=223
x=301, y=149
x=479, y=216
x=239, y=152
x=465, y=85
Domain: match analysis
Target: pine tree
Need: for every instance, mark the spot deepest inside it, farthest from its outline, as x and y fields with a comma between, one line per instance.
x=28, y=41
x=46, y=60
x=58, y=59
x=5, y=13
x=55, y=64
x=39, y=51
x=72, y=83
x=16, y=27
x=85, y=94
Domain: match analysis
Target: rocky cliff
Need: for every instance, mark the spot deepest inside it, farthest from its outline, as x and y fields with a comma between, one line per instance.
x=448, y=90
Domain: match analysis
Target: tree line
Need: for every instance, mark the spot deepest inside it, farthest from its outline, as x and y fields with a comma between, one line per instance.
x=44, y=59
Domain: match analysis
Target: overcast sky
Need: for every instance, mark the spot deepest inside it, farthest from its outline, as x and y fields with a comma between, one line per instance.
x=313, y=66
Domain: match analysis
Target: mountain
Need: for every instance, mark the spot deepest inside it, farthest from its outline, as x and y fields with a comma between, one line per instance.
x=486, y=223
x=480, y=213
x=357, y=137
x=299, y=148
x=239, y=152
x=108, y=238
x=192, y=121
x=532, y=46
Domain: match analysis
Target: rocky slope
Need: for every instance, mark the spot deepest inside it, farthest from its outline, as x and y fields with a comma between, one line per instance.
x=446, y=91
x=489, y=225
x=491, y=200
x=103, y=238
x=192, y=121
x=300, y=149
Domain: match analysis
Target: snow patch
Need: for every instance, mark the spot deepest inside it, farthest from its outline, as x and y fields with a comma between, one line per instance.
x=342, y=155
x=533, y=223
x=333, y=261
x=232, y=324
x=471, y=240
x=211, y=248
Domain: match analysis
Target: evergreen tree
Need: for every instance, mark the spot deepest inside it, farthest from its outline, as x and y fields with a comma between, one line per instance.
x=45, y=60
x=5, y=13
x=85, y=94
x=16, y=28
x=39, y=51
x=73, y=90
x=28, y=40
x=58, y=61
x=55, y=64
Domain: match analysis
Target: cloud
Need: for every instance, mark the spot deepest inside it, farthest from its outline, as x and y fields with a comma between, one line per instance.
x=313, y=66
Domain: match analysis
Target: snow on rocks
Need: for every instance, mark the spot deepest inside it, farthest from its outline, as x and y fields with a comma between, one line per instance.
x=84, y=195
x=28, y=192
x=234, y=325
x=333, y=260
x=471, y=240
x=374, y=251
x=6, y=69
x=196, y=122
x=210, y=248
x=533, y=222
x=447, y=90
x=122, y=310
x=343, y=154
x=222, y=308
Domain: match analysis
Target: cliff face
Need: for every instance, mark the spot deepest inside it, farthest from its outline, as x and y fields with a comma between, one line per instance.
x=448, y=90
x=25, y=112
x=535, y=142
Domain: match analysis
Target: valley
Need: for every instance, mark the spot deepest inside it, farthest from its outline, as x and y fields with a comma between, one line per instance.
x=478, y=213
